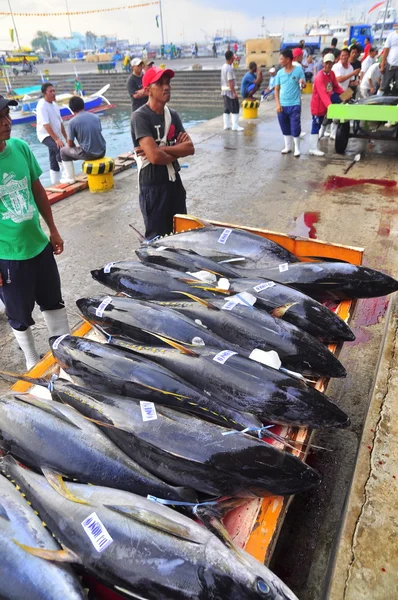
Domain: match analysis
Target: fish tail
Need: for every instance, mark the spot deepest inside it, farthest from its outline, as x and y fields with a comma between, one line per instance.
x=139, y=235
x=8, y=376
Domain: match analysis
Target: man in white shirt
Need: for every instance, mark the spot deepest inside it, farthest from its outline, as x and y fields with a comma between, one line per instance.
x=368, y=62
x=370, y=81
x=389, y=63
x=343, y=70
x=50, y=130
x=229, y=93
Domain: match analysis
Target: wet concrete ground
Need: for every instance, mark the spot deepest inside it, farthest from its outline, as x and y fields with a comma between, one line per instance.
x=242, y=178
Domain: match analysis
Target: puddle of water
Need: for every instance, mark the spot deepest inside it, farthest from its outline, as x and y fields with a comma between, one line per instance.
x=335, y=182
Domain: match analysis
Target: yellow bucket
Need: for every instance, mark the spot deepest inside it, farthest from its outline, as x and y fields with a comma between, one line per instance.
x=99, y=174
x=250, y=109
x=308, y=89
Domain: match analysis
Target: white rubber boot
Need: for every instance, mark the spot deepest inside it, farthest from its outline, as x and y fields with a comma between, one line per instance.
x=235, y=123
x=288, y=144
x=302, y=135
x=27, y=344
x=227, y=122
x=296, y=146
x=314, y=151
x=56, y=322
x=322, y=131
x=333, y=131
x=55, y=176
x=67, y=172
x=327, y=130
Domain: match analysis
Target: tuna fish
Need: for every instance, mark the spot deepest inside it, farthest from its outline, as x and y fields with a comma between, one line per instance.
x=330, y=280
x=24, y=575
x=271, y=395
x=145, y=549
x=103, y=367
x=184, y=450
x=57, y=439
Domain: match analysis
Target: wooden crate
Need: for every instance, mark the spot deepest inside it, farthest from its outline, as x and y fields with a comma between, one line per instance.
x=259, y=45
x=264, y=60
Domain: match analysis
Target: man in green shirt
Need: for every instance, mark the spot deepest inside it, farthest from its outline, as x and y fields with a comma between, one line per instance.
x=28, y=271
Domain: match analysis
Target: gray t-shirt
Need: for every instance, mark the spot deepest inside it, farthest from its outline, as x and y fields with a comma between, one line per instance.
x=86, y=128
x=227, y=73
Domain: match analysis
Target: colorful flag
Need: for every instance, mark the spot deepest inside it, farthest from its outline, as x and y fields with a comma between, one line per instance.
x=12, y=35
x=375, y=6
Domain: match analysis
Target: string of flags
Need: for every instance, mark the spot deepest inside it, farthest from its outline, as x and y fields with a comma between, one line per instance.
x=79, y=12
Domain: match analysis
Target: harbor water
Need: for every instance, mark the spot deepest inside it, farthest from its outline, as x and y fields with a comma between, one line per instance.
x=116, y=131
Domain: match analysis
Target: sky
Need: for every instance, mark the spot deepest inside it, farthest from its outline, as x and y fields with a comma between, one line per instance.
x=184, y=20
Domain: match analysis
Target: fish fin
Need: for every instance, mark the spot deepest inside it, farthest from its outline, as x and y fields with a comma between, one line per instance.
x=3, y=513
x=59, y=485
x=40, y=403
x=8, y=376
x=159, y=522
x=155, y=389
x=187, y=280
x=202, y=222
x=128, y=593
x=174, y=344
x=280, y=311
x=65, y=555
x=137, y=233
x=210, y=289
x=211, y=520
x=205, y=303
x=325, y=259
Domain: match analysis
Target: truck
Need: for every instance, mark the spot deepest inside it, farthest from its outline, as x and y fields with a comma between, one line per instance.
x=311, y=43
x=348, y=31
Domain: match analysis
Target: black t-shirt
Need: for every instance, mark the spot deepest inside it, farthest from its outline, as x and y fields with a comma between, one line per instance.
x=134, y=83
x=146, y=123
x=356, y=64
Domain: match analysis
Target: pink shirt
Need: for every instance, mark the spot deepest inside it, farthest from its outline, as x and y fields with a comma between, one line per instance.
x=324, y=86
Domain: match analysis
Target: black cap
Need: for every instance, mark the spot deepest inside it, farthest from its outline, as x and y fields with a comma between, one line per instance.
x=7, y=102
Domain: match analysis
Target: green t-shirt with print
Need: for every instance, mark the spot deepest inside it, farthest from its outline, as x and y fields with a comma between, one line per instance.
x=21, y=235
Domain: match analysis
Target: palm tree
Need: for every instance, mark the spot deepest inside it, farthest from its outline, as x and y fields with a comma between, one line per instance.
x=42, y=40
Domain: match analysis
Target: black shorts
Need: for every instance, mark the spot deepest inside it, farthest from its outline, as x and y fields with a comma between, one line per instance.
x=231, y=105
x=54, y=153
x=159, y=204
x=26, y=282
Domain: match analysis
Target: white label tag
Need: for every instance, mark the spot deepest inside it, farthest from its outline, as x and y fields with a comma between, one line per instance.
x=244, y=298
x=270, y=359
x=108, y=267
x=204, y=276
x=59, y=340
x=160, y=248
x=264, y=286
x=223, y=356
x=148, y=411
x=230, y=305
x=97, y=532
x=224, y=236
x=100, y=310
x=283, y=267
x=223, y=284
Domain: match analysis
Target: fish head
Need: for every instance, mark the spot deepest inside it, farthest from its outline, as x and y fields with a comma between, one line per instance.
x=235, y=574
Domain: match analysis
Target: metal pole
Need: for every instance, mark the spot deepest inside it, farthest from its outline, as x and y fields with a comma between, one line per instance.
x=13, y=22
x=161, y=21
x=384, y=20
x=67, y=10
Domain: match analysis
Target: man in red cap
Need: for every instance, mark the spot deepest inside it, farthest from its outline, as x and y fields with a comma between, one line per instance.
x=298, y=56
x=159, y=140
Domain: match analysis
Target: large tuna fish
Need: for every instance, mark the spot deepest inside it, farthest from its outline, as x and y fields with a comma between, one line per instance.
x=146, y=549
x=184, y=450
x=58, y=440
x=105, y=368
x=330, y=280
x=24, y=575
x=211, y=241
x=272, y=395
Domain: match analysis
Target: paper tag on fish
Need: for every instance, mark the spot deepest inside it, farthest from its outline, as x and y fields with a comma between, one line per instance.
x=204, y=276
x=100, y=310
x=269, y=359
x=283, y=267
x=59, y=340
x=244, y=298
x=223, y=356
x=108, y=267
x=97, y=532
x=264, y=286
x=148, y=411
x=224, y=236
x=223, y=284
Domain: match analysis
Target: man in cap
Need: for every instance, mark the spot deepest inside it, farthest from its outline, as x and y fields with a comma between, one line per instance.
x=28, y=271
x=326, y=90
x=298, y=56
x=159, y=140
x=136, y=92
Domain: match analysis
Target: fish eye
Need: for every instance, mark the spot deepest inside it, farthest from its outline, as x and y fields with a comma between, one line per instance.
x=262, y=587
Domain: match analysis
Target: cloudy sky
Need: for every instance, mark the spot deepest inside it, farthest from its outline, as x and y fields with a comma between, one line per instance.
x=184, y=20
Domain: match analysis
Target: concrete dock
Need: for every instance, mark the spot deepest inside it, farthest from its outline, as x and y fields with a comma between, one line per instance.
x=338, y=542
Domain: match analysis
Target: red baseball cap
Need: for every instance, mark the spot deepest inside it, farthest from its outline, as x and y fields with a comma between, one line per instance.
x=154, y=74
x=297, y=52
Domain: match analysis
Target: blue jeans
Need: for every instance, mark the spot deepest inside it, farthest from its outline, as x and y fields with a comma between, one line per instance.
x=290, y=120
x=318, y=121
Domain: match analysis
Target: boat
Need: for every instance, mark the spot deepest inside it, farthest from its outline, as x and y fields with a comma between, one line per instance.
x=384, y=25
x=25, y=112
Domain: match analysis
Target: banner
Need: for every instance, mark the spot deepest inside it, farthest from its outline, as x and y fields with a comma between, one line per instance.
x=80, y=12
x=375, y=6
x=12, y=35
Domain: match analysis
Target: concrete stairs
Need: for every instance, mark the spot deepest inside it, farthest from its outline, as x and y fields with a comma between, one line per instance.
x=190, y=89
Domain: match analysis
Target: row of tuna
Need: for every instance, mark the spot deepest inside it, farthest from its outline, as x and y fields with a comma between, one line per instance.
x=206, y=362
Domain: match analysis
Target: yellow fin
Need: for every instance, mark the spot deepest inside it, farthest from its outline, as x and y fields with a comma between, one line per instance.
x=155, y=389
x=205, y=303
x=280, y=311
x=64, y=555
x=59, y=485
x=174, y=344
